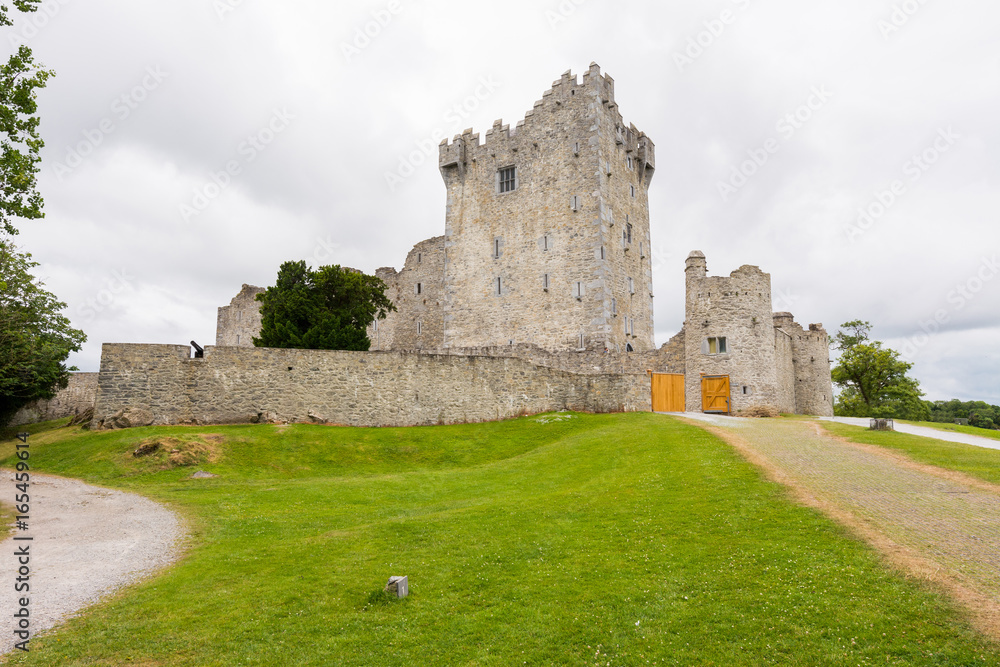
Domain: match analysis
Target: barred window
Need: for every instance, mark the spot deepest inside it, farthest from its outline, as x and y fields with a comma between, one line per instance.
x=508, y=179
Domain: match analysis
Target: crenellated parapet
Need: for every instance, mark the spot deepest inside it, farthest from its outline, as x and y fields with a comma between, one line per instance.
x=595, y=94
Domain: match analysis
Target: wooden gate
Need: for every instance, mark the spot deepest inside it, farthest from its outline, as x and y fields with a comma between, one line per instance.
x=668, y=392
x=715, y=393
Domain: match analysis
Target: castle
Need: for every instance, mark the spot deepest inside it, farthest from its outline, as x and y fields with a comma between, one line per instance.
x=537, y=297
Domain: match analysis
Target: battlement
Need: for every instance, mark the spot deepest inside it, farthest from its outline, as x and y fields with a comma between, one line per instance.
x=595, y=93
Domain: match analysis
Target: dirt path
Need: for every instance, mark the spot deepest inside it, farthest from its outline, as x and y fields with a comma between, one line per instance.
x=87, y=543
x=935, y=524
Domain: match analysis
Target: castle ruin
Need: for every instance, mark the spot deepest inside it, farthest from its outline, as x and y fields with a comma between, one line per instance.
x=543, y=277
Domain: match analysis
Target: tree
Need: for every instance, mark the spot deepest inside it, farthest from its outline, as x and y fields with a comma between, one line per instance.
x=20, y=79
x=35, y=339
x=326, y=309
x=873, y=380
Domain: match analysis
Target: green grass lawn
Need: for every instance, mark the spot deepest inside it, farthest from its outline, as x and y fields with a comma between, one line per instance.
x=957, y=428
x=976, y=461
x=627, y=539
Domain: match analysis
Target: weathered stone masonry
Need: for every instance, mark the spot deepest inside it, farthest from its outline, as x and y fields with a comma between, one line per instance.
x=77, y=397
x=237, y=385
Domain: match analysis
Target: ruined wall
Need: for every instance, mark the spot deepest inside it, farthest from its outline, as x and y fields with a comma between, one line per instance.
x=236, y=385
x=418, y=293
x=545, y=263
x=737, y=308
x=240, y=321
x=78, y=396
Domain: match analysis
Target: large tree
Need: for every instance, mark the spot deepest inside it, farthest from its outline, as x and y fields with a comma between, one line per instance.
x=873, y=380
x=35, y=339
x=326, y=309
x=20, y=79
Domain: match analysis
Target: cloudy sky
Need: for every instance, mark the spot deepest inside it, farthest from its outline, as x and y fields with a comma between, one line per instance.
x=193, y=146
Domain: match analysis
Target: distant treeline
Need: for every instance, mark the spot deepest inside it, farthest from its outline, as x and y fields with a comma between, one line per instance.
x=978, y=413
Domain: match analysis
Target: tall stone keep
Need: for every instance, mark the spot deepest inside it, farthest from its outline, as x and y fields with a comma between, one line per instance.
x=547, y=227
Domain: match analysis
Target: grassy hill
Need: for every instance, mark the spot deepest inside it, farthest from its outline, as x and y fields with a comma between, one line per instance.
x=575, y=539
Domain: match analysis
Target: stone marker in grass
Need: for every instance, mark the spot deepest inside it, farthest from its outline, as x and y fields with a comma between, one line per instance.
x=398, y=586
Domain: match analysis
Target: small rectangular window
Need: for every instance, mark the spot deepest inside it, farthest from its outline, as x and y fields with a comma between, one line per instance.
x=583, y=342
x=628, y=161
x=602, y=252
x=420, y=328
x=499, y=285
x=578, y=290
x=508, y=179
x=420, y=258
x=545, y=282
x=628, y=233
x=576, y=148
x=633, y=191
x=545, y=242
x=375, y=326
x=717, y=346
x=496, y=248
x=642, y=249
x=237, y=339
x=574, y=202
x=614, y=306
x=420, y=288
x=631, y=286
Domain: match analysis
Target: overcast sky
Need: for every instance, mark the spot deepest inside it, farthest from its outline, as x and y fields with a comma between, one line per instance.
x=193, y=146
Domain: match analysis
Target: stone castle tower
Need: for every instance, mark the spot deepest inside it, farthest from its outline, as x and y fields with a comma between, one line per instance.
x=547, y=227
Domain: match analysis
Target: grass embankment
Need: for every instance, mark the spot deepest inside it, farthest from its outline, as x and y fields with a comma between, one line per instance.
x=599, y=539
x=975, y=461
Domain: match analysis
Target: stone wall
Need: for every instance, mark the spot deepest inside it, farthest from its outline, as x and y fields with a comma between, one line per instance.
x=546, y=263
x=78, y=396
x=238, y=385
x=240, y=321
x=784, y=361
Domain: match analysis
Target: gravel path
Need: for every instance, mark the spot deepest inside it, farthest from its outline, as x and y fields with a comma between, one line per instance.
x=937, y=524
x=87, y=543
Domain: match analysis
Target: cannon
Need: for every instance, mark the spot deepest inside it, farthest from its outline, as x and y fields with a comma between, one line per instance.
x=199, y=351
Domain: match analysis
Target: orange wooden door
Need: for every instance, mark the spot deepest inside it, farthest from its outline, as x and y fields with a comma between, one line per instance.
x=668, y=392
x=715, y=393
